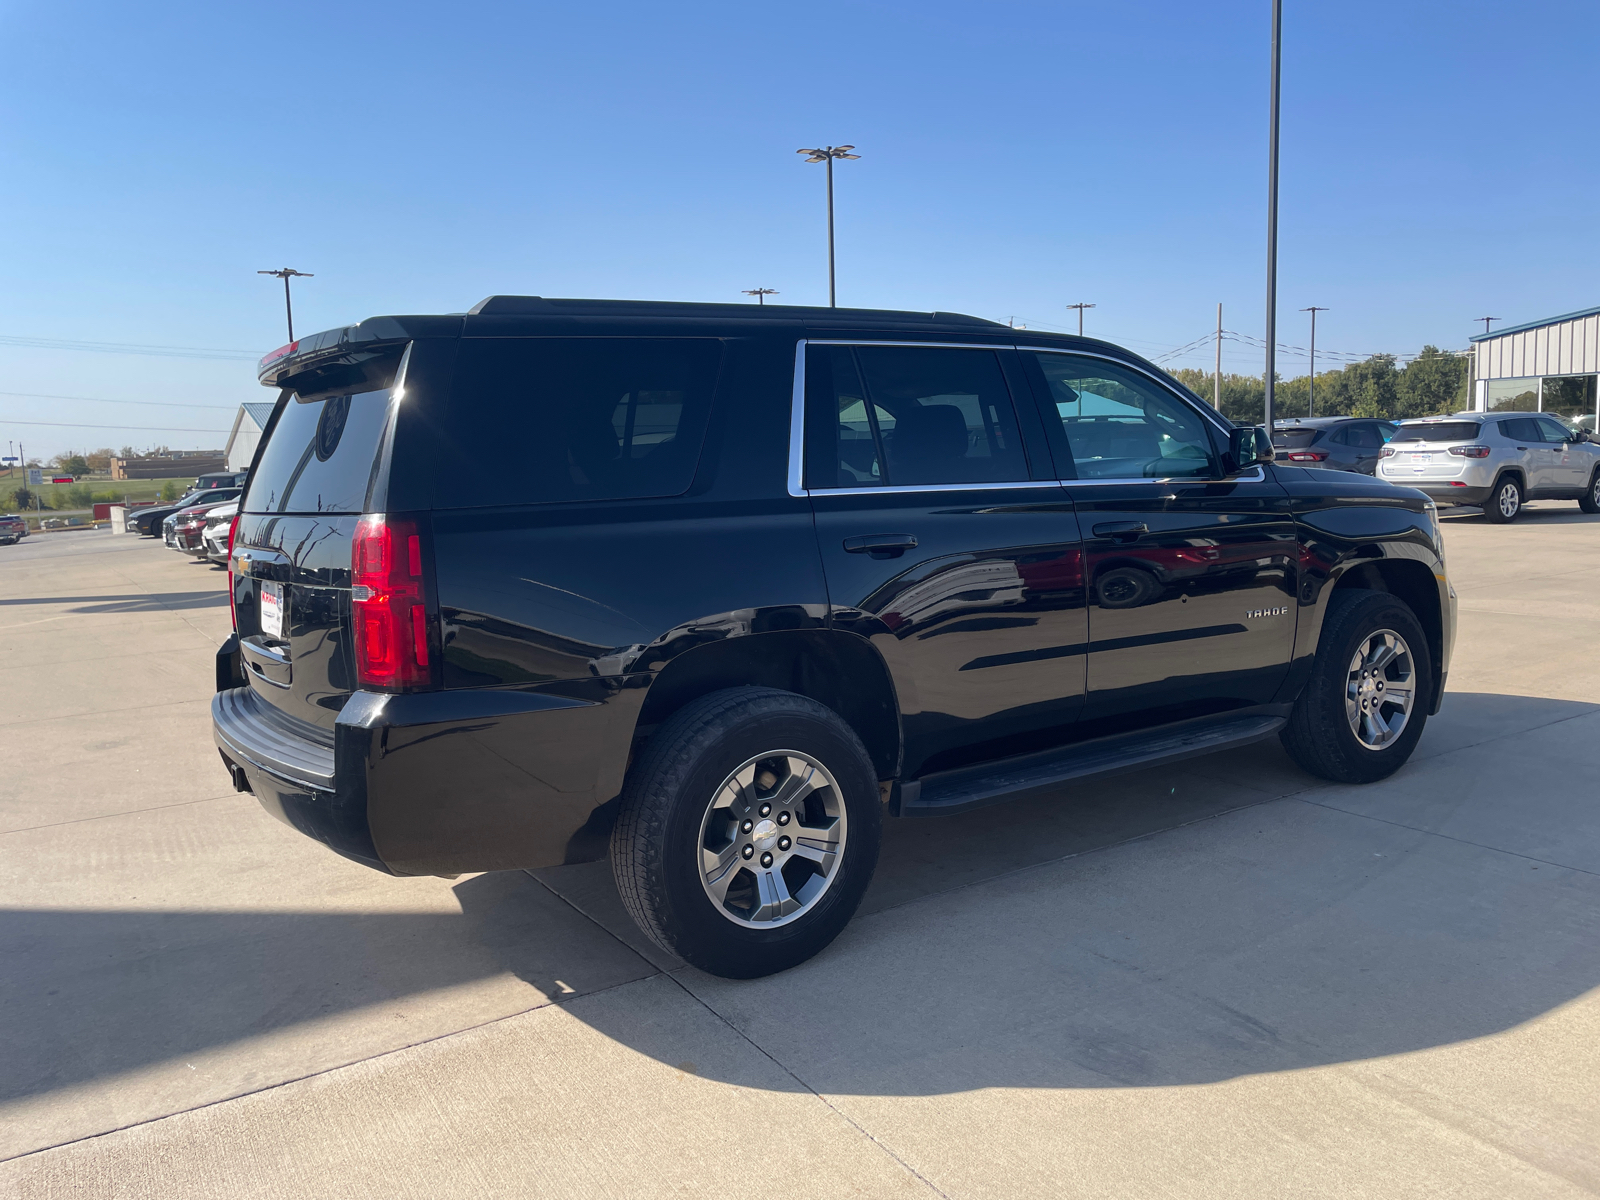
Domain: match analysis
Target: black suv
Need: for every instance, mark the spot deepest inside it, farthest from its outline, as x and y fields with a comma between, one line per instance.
x=715, y=589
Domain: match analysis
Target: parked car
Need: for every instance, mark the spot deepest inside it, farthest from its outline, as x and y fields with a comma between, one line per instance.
x=184, y=530
x=148, y=521
x=1332, y=443
x=218, y=528
x=218, y=479
x=12, y=529
x=1496, y=460
x=765, y=577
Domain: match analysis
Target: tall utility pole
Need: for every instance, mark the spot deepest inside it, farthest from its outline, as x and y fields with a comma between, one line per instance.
x=760, y=294
x=1311, y=380
x=1216, y=380
x=1485, y=321
x=1272, y=214
x=827, y=154
x=1080, y=308
x=285, y=274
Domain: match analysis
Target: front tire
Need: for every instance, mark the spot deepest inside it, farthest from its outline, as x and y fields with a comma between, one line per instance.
x=1364, y=707
x=1506, y=501
x=749, y=831
x=1590, y=500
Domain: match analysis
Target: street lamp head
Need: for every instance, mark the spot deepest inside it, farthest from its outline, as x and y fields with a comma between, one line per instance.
x=287, y=272
x=824, y=153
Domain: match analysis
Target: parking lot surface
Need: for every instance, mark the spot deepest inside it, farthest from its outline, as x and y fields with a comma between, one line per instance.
x=1223, y=978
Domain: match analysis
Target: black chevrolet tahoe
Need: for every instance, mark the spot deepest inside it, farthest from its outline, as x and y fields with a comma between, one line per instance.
x=716, y=590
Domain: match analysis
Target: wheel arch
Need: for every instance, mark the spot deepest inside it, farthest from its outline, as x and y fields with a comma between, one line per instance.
x=1414, y=582
x=840, y=670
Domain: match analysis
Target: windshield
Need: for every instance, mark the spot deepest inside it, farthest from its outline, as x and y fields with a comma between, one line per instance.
x=1437, y=431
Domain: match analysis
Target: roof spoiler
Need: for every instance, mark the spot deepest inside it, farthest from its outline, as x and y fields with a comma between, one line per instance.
x=349, y=346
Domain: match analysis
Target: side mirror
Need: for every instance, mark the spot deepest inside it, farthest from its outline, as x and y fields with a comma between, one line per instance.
x=1580, y=435
x=1247, y=447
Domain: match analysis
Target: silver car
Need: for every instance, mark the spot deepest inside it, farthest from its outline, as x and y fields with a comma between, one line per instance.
x=1496, y=460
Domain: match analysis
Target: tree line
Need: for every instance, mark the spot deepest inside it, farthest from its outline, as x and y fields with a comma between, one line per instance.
x=1432, y=383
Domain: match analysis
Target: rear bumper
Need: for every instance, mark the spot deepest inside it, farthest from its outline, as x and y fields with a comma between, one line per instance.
x=1448, y=494
x=434, y=783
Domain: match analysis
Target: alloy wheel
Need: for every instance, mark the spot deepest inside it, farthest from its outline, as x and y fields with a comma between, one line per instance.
x=772, y=839
x=1381, y=689
x=1509, y=500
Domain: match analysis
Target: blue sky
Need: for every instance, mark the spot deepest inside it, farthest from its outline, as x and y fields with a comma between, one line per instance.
x=1439, y=163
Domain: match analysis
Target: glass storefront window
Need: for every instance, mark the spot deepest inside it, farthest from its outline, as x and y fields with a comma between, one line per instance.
x=1572, y=397
x=1512, y=395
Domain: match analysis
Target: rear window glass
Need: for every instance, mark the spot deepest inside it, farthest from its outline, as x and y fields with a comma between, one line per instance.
x=320, y=456
x=1294, y=437
x=1437, y=431
x=536, y=420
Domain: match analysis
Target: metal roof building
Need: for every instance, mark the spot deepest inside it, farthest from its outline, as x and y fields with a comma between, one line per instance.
x=1541, y=366
x=248, y=423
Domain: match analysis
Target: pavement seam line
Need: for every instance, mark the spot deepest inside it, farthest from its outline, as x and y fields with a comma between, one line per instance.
x=1447, y=837
x=129, y=813
x=758, y=1048
x=104, y=712
x=833, y=1108
x=549, y=1002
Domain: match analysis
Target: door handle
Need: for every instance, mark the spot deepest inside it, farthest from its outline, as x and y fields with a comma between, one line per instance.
x=1121, y=531
x=881, y=545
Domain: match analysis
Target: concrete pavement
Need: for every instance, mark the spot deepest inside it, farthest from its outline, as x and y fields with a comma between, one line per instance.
x=1218, y=979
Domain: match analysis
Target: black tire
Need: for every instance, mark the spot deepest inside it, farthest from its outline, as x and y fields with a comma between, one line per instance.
x=656, y=845
x=1590, y=500
x=1505, y=501
x=1319, y=735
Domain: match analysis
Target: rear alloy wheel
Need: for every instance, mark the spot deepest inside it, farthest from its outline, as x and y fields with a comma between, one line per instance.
x=1364, y=707
x=1505, y=502
x=1590, y=500
x=748, y=832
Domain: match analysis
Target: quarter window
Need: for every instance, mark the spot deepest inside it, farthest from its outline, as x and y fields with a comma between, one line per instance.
x=1120, y=425
x=898, y=416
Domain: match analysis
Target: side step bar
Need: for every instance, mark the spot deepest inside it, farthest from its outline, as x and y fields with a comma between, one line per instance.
x=1026, y=774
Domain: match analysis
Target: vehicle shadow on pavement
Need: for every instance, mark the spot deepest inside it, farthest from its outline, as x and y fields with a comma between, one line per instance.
x=1331, y=925
x=136, y=602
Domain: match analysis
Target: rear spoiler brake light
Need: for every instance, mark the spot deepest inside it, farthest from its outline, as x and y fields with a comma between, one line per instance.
x=280, y=352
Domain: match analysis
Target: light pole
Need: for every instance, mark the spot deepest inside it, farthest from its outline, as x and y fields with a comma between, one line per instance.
x=1311, y=380
x=1080, y=308
x=760, y=294
x=1485, y=321
x=1272, y=214
x=285, y=274
x=827, y=154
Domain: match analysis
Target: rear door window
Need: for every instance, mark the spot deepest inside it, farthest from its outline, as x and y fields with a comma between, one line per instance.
x=539, y=420
x=1521, y=429
x=321, y=455
x=907, y=416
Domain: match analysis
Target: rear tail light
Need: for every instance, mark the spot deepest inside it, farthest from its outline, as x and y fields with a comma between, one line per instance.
x=1387, y=452
x=1470, y=451
x=389, y=605
x=1307, y=455
x=233, y=530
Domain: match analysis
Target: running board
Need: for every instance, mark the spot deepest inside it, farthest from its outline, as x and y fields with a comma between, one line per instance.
x=1027, y=774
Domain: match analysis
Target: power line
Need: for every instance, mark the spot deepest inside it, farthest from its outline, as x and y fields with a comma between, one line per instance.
x=103, y=400
x=143, y=428
x=39, y=343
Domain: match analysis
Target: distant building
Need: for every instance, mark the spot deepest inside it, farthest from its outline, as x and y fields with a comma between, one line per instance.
x=247, y=426
x=179, y=464
x=1541, y=366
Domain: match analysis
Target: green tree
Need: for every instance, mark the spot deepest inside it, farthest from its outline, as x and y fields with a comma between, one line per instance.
x=1432, y=383
x=171, y=489
x=22, y=498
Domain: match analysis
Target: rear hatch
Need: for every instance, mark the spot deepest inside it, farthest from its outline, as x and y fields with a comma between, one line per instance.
x=1290, y=441
x=318, y=470
x=1421, y=450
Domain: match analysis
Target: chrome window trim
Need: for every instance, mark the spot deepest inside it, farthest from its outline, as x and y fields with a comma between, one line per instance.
x=797, y=408
x=925, y=488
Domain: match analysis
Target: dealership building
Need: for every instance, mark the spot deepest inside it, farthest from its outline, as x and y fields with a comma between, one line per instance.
x=1542, y=366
